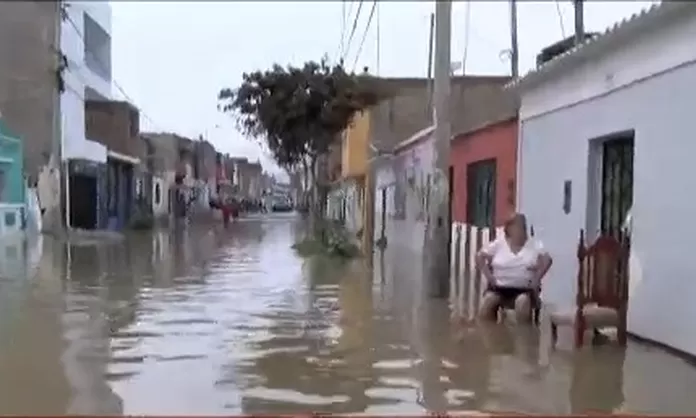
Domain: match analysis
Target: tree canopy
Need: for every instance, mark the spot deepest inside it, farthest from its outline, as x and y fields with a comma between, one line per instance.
x=298, y=111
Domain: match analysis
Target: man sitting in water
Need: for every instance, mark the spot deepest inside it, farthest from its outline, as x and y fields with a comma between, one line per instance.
x=513, y=266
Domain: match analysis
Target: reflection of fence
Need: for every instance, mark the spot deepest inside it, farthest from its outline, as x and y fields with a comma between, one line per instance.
x=466, y=282
x=11, y=218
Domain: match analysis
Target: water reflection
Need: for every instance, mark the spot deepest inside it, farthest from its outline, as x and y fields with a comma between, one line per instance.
x=207, y=320
x=597, y=381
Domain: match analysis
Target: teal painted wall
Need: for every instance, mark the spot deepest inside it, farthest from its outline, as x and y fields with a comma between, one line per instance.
x=12, y=164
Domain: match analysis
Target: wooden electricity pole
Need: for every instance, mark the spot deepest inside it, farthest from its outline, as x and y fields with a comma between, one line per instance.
x=436, y=249
x=514, y=47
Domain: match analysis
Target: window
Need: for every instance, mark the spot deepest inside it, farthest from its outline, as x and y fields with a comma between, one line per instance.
x=399, y=198
x=480, y=205
x=2, y=184
x=158, y=194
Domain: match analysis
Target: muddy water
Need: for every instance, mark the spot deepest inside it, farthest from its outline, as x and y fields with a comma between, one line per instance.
x=210, y=322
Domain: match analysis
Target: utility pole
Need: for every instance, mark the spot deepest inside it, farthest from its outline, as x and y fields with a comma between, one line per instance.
x=429, y=105
x=437, y=240
x=52, y=220
x=514, y=47
x=579, y=21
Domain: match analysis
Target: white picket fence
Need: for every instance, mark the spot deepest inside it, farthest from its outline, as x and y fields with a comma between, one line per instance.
x=466, y=283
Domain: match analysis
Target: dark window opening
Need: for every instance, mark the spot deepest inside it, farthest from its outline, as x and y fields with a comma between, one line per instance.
x=480, y=205
x=158, y=194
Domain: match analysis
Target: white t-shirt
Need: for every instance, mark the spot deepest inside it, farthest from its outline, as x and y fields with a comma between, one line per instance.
x=510, y=269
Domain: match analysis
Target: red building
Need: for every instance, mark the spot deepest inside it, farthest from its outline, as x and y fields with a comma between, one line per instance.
x=484, y=168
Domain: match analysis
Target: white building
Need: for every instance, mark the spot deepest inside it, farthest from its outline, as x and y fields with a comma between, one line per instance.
x=625, y=99
x=86, y=42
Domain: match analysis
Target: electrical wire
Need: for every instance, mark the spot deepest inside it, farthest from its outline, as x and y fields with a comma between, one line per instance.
x=467, y=22
x=341, y=41
x=560, y=18
x=103, y=68
x=352, y=32
x=367, y=29
x=344, y=21
x=379, y=31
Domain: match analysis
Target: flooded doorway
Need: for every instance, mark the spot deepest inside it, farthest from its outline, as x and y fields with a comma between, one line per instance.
x=83, y=198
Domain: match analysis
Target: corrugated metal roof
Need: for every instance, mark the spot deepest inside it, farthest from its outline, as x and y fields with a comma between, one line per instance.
x=638, y=20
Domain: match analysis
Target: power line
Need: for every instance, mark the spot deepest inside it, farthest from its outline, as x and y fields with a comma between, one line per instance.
x=560, y=18
x=379, y=31
x=103, y=68
x=341, y=42
x=466, y=35
x=343, y=25
x=367, y=29
x=352, y=32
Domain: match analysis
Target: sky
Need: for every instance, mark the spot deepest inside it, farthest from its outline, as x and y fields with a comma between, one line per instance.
x=172, y=58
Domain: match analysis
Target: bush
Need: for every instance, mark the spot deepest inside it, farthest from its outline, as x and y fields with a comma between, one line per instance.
x=331, y=239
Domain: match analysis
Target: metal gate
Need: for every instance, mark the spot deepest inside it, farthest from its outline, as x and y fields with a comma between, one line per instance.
x=617, y=182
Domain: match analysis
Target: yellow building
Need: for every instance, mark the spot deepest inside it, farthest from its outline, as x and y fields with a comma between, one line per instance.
x=354, y=147
x=354, y=171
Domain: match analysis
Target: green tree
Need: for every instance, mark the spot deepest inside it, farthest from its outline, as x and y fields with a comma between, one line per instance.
x=298, y=112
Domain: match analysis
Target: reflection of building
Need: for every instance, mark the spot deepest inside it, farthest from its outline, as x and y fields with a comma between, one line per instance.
x=11, y=182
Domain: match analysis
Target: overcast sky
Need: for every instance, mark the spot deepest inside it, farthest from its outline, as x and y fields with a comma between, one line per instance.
x=172, y=58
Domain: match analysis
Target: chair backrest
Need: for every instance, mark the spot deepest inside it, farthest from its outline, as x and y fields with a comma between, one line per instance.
x=603, y=272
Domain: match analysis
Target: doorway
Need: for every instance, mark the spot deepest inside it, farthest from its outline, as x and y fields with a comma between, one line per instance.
x=617, y=182
x=83, y=201
x=383, y=214
x=450, y=198
x=480, y=193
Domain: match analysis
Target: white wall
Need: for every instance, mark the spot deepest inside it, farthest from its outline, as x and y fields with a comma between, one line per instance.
x=405, y=237
x=651, y=53
x=77, y=78
x=555, y=147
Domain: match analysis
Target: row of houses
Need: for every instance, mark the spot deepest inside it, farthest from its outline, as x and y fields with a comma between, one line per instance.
x=597, y=135
x=78, y=152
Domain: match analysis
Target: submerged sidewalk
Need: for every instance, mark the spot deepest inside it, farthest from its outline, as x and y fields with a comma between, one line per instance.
x=512, y=368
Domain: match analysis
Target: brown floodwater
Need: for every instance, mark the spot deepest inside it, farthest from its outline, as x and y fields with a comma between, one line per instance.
x=208, y=321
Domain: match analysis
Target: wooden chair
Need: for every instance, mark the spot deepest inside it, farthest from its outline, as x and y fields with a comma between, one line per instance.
x=602, y=290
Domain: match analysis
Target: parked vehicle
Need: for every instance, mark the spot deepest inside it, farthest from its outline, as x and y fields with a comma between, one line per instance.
x=281, y=205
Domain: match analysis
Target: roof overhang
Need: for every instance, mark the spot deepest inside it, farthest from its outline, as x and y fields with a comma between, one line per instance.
x=419, y=136
x=123, y=157
x=620, y=34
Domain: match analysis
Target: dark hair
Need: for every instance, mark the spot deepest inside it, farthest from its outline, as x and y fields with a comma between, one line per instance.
x=519, y=219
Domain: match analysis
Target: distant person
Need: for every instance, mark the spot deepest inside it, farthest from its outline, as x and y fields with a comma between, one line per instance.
x=226, y=208
x=513, y=266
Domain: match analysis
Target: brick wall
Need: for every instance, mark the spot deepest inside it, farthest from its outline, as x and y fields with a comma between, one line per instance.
x=206, y=156
x=475, y=101
x=165, y=147
x=497, y=142
x=115, y=125
x=28, y=82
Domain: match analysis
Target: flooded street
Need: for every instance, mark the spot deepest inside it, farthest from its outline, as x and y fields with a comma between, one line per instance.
x=207, y=321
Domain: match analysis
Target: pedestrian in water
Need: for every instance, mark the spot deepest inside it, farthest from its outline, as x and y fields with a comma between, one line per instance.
x=235, y=209
x=513, y=266
x=226, y=208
